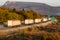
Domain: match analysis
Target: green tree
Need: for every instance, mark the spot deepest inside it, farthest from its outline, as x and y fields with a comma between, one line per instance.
x=13, y=16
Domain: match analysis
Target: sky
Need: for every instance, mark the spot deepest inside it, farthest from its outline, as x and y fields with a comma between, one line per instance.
x=49, y=2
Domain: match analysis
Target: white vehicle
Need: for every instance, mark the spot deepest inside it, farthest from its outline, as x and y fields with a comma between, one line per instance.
x=37, y=20
x=13, y=23
x=44, y=19
x=29, y=21
x=49, y=19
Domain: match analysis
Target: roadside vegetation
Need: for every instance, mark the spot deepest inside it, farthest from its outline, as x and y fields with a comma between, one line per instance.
x=49, y=32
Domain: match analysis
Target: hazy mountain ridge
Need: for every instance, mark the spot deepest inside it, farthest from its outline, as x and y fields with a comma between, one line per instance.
x=38, y=7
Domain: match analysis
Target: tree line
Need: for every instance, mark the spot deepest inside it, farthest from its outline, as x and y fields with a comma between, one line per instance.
x=13, y=14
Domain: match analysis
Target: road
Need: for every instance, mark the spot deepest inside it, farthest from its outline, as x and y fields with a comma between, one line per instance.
x=8, y=31
x=26, y=26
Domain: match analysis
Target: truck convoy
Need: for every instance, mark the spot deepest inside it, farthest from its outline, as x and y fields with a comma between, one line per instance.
x=26, y=22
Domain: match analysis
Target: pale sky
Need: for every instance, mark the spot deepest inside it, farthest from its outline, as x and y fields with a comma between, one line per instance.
x=50, y=2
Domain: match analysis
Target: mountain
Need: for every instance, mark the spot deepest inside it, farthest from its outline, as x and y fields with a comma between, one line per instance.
x=38, y=7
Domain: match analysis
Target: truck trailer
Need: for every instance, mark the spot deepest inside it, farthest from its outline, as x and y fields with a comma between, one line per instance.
x=29, y=21
x=44, y=19
x=14, y=23
x=37, y=20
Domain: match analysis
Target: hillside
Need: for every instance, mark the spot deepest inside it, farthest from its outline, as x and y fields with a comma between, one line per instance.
x=38, y=7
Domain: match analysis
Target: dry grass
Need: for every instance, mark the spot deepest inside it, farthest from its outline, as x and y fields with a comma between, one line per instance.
x=32, y=33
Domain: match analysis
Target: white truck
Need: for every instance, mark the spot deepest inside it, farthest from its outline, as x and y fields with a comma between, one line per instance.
x=37, y=20
x=49, y=19
x=12, y=23
x=44, y=19
x=29, y=21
